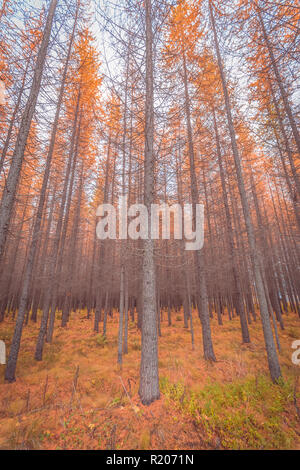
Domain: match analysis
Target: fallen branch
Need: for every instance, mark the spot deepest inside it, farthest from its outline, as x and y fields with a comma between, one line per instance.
x=75, y=381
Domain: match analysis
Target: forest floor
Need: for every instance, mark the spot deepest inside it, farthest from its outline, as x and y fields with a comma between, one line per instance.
x=231, y=404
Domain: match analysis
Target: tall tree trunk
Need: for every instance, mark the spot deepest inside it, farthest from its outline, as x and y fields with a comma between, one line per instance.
x=149, y=383
x=10, y=189
x=14, y=350
x=267, y=329
x=237, y=296
x=198, y=254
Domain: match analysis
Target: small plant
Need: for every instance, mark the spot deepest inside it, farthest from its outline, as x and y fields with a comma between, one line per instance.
x=26, y=437
x=115, y=402
x=136, y=345
x=292, y=333
x=101, y=341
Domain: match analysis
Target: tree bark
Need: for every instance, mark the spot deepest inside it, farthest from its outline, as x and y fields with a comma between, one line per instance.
x=149, y=383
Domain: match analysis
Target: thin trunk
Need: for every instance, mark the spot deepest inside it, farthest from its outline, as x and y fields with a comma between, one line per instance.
x=10, y=189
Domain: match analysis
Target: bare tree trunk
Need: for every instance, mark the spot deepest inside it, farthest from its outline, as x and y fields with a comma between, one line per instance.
x=202, y=301
x=13, y=118
x=149, y=383
x=267, y=329
x=12, y=360
x=10, y=189
x=121, y=316
x=237, y=296
x=125, y=342
x=284, y=96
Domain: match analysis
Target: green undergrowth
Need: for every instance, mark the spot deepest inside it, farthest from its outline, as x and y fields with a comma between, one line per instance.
x=252, y=413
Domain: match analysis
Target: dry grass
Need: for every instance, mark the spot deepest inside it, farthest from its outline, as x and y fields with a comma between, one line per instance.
x=229, y=404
